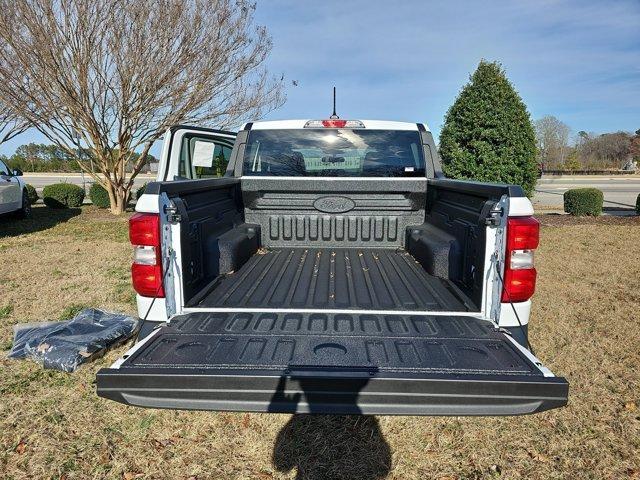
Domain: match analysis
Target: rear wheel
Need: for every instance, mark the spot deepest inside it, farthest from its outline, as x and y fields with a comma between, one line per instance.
x=25, y=209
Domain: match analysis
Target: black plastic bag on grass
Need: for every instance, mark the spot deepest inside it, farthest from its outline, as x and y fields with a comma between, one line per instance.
x=66, y=345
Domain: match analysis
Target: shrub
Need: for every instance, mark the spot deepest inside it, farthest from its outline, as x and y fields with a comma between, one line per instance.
x=141, y=190
x=583, y=201
x=99, y=196
x=638, y=204
x=63, y=195
x=487, y=133
x=31, y=193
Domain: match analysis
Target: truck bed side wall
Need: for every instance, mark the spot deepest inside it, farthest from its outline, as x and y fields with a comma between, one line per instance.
x=214, y=237
x=451, y=242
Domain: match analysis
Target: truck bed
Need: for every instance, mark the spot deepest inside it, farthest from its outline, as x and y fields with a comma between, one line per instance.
x=334, y=315
x=335, y=278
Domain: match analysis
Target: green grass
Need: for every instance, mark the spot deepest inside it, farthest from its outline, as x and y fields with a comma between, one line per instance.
x=583, y=326
x=86, y=223
x=5, y=311
x=71, y=311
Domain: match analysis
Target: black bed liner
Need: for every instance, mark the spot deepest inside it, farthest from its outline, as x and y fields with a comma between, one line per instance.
x=332, y=363
x=335, y=278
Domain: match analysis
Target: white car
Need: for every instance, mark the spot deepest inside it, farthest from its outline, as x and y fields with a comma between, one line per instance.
x=13, y=192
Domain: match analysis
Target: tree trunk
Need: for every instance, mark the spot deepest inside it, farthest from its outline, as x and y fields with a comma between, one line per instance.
x=118, y=204
x=120, y=200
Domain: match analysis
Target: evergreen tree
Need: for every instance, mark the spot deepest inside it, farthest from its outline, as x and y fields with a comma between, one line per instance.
x=487, y=134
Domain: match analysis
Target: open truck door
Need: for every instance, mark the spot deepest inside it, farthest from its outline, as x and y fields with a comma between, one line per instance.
x=194, y=153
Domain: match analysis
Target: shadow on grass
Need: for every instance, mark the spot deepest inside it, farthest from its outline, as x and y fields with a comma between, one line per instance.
x=42, y=218
x=332, y=446
x=328, y=446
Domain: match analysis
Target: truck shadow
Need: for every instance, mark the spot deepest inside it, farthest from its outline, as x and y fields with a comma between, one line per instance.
x=329, y=446
x=42, y=218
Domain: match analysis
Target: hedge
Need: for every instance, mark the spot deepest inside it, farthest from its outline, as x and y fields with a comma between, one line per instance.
x=63, y=195
x=583, y=201
x=487, y=133
x=31, y=193
x=99, y=196
x=141, y=190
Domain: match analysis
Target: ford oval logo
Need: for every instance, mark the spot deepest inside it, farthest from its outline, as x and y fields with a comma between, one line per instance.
x=334, y=204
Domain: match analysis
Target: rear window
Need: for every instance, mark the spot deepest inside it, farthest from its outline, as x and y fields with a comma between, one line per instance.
x=334, y=153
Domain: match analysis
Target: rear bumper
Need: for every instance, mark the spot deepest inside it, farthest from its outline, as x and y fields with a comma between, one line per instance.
x=338, y=392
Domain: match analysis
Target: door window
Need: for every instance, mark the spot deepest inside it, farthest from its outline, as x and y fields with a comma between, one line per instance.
x=200, y=157
x=4, y=170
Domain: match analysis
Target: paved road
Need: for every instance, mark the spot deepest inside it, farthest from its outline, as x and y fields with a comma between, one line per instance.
x=40, y=180
x=619, y=191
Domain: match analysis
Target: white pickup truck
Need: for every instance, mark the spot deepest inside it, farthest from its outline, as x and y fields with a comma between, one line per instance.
x=332, y=269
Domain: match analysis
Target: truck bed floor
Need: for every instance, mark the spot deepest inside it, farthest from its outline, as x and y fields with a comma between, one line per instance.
x=378, y=279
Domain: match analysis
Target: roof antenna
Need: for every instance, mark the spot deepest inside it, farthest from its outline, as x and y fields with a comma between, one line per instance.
x=334, y=115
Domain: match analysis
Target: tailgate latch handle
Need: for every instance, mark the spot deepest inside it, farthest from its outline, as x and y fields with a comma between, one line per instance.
x=495, y=214
x=172, y=214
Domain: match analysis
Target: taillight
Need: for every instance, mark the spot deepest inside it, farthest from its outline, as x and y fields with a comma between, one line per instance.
x=146, y=270
x=523, y=236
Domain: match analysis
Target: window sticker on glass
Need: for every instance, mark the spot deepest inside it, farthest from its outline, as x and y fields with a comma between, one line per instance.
x=203, y=154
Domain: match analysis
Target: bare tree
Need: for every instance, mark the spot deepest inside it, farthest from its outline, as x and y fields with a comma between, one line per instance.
x=116, y=74
x=552, y=137
x=11, y=124
x=609, y=150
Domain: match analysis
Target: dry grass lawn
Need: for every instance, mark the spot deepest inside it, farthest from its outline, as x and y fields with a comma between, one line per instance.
x=584, y=326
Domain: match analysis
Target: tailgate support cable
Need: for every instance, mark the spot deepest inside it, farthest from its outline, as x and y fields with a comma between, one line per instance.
x=153, y=300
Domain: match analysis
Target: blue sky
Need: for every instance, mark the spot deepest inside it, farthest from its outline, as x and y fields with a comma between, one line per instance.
x=407, y=60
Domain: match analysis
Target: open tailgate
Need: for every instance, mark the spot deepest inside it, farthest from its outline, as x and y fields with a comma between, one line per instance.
x=333, y=363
